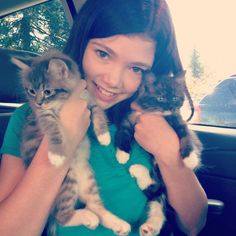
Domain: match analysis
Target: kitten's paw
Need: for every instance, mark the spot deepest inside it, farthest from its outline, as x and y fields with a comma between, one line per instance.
x=147, y=229
x=85, y=95
x=104, y=139
x=192, y=161
x=142, y=176
x=122, y=156
x=156, y=219
x=84, y=217
x=55, y=159
x=118, y=226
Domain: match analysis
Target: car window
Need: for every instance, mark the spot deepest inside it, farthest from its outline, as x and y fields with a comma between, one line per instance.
x=206, y=40
x=36, y=28
x=223, y=94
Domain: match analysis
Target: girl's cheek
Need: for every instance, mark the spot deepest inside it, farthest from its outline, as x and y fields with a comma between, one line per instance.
x=131, y=83
x=134, y=86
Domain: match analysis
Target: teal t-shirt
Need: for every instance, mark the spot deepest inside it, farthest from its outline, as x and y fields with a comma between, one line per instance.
x=118, y=190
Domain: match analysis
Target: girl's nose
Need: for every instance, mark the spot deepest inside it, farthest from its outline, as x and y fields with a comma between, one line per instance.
x=115, y=77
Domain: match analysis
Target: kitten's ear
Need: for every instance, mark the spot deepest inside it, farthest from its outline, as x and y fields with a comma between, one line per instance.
x=59, y=68
x=22, y=63
x=148, y=82
x=150, y=77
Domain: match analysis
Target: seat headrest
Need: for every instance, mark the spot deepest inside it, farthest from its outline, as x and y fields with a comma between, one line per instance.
x=10, y=83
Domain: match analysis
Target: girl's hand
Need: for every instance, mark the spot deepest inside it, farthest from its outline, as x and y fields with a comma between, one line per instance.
x=156, y=136
x=75, y=116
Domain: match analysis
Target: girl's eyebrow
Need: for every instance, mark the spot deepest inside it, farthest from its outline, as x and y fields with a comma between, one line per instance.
x=110, y=51
x=142, y=64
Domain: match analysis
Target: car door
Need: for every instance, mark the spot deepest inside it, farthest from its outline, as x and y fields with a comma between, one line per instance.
x=218, y=177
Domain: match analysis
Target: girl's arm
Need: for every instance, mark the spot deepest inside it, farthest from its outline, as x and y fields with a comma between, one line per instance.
x=26, y=196
x=184, y=192
x=26, y=202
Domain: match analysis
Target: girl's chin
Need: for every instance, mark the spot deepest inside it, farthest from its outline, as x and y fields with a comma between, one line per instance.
x=108, y=104
x=105, y=105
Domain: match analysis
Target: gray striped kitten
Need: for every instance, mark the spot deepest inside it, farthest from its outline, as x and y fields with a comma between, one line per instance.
x=49, y=80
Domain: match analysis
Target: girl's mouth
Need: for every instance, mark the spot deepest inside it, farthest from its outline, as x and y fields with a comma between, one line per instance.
x=103, y=94
x=104, y=91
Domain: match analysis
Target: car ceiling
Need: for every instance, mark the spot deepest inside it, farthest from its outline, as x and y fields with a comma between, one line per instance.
x=9, y=6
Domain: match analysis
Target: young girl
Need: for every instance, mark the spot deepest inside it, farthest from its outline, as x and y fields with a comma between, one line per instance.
x=113, y=42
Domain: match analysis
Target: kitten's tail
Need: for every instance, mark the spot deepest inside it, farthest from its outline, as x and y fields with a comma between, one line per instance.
x=190, y=101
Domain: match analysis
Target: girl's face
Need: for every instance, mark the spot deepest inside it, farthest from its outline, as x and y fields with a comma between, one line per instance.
x=114, y=66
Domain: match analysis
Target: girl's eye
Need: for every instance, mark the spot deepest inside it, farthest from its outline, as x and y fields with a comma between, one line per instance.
x=102, y=54
x=137, y=70
x=31, y=92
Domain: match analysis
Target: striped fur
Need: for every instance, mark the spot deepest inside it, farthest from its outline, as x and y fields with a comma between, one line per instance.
x=49, y=81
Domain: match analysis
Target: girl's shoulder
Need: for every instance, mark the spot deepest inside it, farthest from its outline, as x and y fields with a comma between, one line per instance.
x=22, y=111
x=19, y=117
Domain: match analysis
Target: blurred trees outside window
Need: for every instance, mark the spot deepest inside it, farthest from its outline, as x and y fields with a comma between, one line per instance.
x=35, y=29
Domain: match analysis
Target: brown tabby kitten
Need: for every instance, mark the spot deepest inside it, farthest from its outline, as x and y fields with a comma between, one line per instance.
x=165, y=96
x=49, y=81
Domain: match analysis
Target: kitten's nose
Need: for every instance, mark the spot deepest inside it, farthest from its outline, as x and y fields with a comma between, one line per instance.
x=38, y=105
x=38, y=100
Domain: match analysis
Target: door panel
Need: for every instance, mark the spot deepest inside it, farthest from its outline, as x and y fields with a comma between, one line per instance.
x=218, y=176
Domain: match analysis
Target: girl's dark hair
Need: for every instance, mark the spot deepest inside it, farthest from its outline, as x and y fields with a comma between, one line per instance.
x=105, y=18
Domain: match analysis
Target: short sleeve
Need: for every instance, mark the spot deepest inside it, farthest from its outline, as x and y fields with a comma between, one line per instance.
x=12, y=138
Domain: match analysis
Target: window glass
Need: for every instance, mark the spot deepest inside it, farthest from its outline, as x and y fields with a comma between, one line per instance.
x=36, y=28
x=206, y=39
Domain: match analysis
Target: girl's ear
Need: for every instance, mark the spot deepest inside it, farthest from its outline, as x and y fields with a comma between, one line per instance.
x=58, y=68
x=22, y=63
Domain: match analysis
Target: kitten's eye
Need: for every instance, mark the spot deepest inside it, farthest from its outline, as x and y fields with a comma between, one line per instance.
x=174, y=99
x=138, y=70
x=31, y=92
x=102, y=54
x=160, y=99
x=48, y=92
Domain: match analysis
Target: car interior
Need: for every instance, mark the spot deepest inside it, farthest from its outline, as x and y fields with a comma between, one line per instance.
x=217, y=173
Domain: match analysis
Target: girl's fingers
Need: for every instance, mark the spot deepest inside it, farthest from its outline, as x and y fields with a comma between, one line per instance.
x=136, y=107
x=79, y=89
x=138, y=111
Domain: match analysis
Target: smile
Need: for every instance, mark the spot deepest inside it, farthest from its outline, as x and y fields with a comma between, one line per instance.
x=104, y=91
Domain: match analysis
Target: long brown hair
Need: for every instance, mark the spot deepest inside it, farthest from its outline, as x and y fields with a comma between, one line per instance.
x=105, y=18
